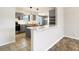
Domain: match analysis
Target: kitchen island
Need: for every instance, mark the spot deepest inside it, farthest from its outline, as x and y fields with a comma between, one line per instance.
x=42, y=37
x=34, y=31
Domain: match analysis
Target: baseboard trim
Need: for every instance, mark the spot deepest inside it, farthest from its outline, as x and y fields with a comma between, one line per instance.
x=8, y=43
x=54, y=43
x=68, y=37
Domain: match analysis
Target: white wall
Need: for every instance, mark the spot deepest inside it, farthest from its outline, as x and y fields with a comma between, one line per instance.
x=43, y=39
x=71, y=21
x=7, y=25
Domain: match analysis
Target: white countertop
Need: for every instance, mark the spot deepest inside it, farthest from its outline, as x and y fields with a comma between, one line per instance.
x=38, y=27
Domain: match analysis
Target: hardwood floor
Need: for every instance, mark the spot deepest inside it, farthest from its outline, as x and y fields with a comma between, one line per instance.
x=66, y=44
x=22, y=44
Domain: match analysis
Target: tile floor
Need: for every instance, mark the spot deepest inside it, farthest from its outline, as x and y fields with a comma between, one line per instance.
x=66, y=44
x=22, y=44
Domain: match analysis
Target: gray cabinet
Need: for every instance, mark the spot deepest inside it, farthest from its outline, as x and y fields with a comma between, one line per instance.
x=22, y=28
x=28, y=32
x=52, y=17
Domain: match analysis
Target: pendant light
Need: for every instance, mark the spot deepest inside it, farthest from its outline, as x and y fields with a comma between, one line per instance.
x=30, y=10
x=37, y=10
x=30, y=13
